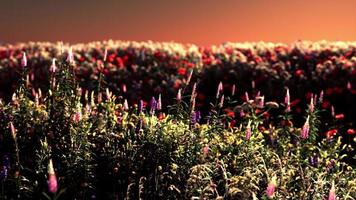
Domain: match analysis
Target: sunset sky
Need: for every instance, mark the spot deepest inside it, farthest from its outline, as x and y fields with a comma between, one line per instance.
x=202, y=22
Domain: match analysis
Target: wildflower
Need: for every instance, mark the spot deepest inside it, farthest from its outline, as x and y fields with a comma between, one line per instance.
x=194, y=92
x=261, y=101
x=242, y=113
x=193, y=118
x=246, y=96
x=197, y=116
x=220, y=88
x=332, y=192
x=221, y=104
x=13, y=130
x=140, y=106
x=248, y=130
x=233, y=90
x=339, y=116
x=287, y=101
x=332, y=111
x=331, y=133
x=350, y=131
x=105, y=54
x=331, y=164
x=313, y=160
x=179, y=95
x=205, y=150
x=124, y=89
x=27, y=80
x=52, y=179
x=24, y=60
x=159, y=103
x=189, y=77
x=311, y=105
x=126, y=105
x=305, y=130
x=271, y=188
x=258, y=94
x=53, y=67
x=321, y=97
x=349, y=86
x=77, y=116
x=70, y=57
x=153, y=105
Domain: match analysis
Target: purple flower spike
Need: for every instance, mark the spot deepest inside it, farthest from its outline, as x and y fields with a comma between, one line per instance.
x=321, y=97
x=193, y=118
x=179, y=95
x=287, y=101
x=248, y=130
x=140, y=106
x=159, y=103
x=271, y=188
x=332, y=192
x=24, y=60
x=153, y=105
x=304, y=133
x=220, y=89
x=233, y=90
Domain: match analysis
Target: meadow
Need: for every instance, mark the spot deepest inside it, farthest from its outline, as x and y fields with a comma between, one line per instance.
x=149, y=120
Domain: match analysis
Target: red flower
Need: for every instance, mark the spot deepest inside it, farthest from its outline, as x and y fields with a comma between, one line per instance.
x=331, y=133
x=339, y=116
x=229, y=113
x=299, y=72
x=182, y=71
x=350, y=131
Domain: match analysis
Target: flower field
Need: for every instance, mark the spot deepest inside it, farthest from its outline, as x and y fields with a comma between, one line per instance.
x=146, y=120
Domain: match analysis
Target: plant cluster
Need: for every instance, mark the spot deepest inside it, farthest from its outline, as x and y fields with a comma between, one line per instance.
x=70, y=143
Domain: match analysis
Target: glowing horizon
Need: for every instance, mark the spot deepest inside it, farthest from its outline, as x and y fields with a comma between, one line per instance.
x=198, y=22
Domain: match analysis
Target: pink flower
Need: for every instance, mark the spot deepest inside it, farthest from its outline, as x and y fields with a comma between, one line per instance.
x=70, y=57
x=332, y=193
x=220, y=88
x=321, y=97
x=305, y=130
x=311, y=105
x=159, y=103
x=179, y=95
x=221, y=104
x=24, y=60
x=246, y=96
x=287, y=101
x=248, y=131
x=349, y=86
x=13, y=130
x=332, y=111
x=77, y=116
x=206, y=150
x=52, y=179
x=194, y=92
x=233, y=90
x=126, y=105
x=271, y=188
x=124, y=88
x=105, y=54
x=53, y=67
x=189, y=77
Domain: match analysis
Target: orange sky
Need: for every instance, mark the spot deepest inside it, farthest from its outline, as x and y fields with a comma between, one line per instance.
x=195, y=21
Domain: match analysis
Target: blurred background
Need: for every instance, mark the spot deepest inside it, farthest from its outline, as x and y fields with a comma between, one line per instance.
x=202, y=22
